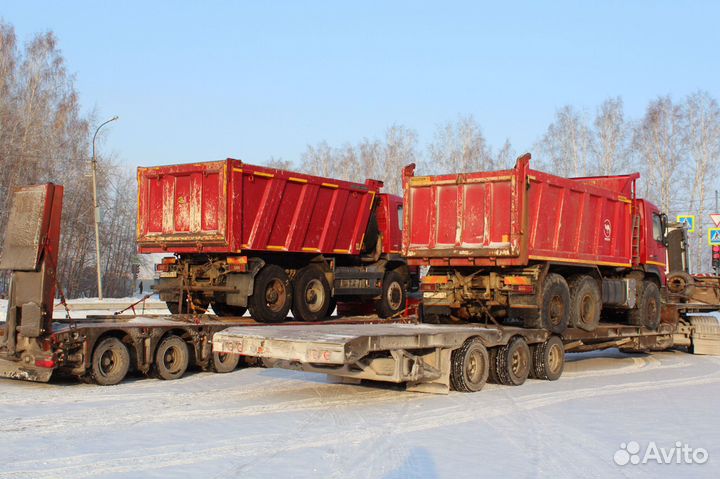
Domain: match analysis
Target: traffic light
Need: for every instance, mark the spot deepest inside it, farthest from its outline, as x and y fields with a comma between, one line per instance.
x=716, y=258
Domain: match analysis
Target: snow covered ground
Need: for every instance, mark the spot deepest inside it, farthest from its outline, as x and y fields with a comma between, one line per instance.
x=274, y=423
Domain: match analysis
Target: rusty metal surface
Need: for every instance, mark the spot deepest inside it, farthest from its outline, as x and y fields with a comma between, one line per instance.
x=24, y=232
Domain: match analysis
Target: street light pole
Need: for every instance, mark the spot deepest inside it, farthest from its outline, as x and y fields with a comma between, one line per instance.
x=96, y=209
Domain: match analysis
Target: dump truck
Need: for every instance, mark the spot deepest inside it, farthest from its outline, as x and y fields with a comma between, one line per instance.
x=521, y=245
x=268, y=240
x=522, y=267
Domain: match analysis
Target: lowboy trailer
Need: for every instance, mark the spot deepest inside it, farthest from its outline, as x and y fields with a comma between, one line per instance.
x=436, y=358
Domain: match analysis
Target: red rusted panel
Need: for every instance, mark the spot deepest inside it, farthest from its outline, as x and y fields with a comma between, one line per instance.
x=512, y=216
x=229, y=206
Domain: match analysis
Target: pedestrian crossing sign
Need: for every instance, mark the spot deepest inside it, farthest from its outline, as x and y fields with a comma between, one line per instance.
x=689, y=221
x=714, y=236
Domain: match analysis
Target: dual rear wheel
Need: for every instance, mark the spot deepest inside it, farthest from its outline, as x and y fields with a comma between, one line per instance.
x=472, y=365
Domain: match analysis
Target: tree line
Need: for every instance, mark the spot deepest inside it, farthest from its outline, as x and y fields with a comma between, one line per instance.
x=44, y=137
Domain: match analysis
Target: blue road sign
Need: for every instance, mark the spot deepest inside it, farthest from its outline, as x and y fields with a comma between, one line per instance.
x=689, y=221
x=714, y=236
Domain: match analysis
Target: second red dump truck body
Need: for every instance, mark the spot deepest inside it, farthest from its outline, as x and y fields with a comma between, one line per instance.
x=229, y=206
x=511, y=217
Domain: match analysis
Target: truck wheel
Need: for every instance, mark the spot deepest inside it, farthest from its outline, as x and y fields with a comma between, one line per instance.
x=513, y=362
x=554, y=311
x=548, y=359
x=110, y=362
x=493, y=374
x=272, y=295
x=470, y=366
x=392, y=300
x=311, y=299
x=647, y=311
x=180, y=307
x=224, y=362
x=585, y=302
x=224, y=310
x=172, y=358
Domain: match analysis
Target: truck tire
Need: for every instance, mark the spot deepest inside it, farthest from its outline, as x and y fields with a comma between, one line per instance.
x=110, y=362
x=493, y=374
x=224, y=362
x=312, y=295
x=173, y=307
x=585, y=302
x=513, y=362
x=647, y=311
x=470, y=366
x=180, y=307
x=172, y=358
x=392, y=300
x=548, y=359
x=554, y=313
x=226, y=310
x=272, y=295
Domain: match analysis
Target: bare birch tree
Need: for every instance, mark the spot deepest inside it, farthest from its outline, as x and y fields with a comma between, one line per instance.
x=702, y=140
x=610, y=138
x=566, y=145
x=658, y=144
x=460, y=147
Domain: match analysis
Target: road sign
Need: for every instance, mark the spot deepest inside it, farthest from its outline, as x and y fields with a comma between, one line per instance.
x=713, y=236
x=689, y=221
x=716, y=218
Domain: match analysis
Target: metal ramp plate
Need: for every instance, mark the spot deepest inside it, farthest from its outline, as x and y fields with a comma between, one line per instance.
x=342, y=343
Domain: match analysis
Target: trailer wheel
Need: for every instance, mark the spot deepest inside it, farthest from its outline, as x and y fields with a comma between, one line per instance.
x=224, y=310
x=110, y=362
x=513, y=362
x=555, y=307
x=272, y=295
x=392, y=300
x=647, y=312
x=171, y=358
x=548, y=359
x=470, y=366
x=585, y=302
x=225, y=362
x=312, y=295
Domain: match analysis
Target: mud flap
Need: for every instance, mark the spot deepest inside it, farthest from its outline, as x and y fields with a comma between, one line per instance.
x=18, y=370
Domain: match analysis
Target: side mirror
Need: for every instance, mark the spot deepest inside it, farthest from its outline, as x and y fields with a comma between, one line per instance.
x=664, y=224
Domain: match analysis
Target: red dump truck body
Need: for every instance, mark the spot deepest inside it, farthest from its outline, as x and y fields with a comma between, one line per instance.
x=228, y=206
x=510, y=217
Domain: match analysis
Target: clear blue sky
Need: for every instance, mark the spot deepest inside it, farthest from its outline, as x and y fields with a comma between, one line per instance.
x=206, y=80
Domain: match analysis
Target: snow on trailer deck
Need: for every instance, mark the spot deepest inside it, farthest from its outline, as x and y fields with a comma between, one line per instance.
x=258, y=422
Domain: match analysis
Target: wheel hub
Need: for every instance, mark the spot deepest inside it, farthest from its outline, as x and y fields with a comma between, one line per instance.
x=394, y=296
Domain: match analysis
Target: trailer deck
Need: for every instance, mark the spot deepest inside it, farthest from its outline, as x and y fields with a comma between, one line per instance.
x=415, y=353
